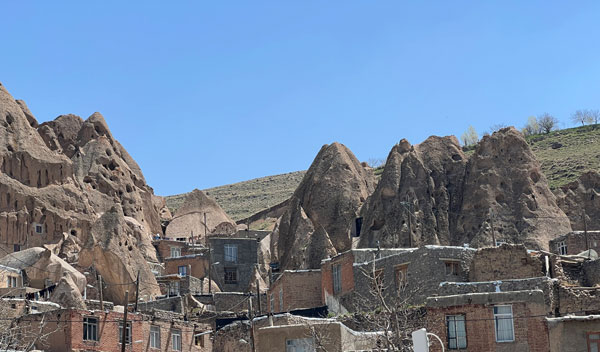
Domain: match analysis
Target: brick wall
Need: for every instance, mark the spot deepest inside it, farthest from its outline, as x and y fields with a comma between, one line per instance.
x=505, y=262
x=346, y=260
x=198, y=263
x=301, y=289
x=530, y=331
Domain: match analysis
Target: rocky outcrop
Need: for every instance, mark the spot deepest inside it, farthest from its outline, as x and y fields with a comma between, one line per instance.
x=188, y=220
x=42, y=268
x=67, y=295
x=454, y=200
x=114, y=249
x=581, y=198
x=319, y=215
x=424, y=181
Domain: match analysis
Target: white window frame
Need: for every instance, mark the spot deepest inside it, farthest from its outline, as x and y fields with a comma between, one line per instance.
x=90, y=327
x=561, y=246
x=272, y=303
x=155, y=336
x=175, y=252
x=336, y=272
x=128, y=336
x=281, y=299
x=451, y=322
x=230, y=252
x=498, y=316
x=13, y=281
x=182, y=272
x=174, y=288
x=176, y=340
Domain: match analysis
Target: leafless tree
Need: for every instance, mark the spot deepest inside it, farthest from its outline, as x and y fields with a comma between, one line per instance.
x=594, y=116
x=496, y=127
x=376, y=162
x=532, y=127
x=583, y=116
x=547, y=122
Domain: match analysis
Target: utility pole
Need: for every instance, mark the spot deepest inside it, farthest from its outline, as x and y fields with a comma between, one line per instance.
x=137, y=291
x=205, y=228
x=124, y=332
x=258, y=296
x=209, y=269
x=493, y=230
x=587, y=242
x=100, y=290
x=409, y=210
x=251, y=323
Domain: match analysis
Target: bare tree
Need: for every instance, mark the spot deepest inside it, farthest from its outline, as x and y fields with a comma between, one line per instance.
x=470, y=137
x=496, y=127
x=547, y=122
x=376, y=162
x=594, y=116
x=583, y=116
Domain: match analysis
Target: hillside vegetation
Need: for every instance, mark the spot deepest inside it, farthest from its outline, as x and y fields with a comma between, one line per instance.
x=564, y=155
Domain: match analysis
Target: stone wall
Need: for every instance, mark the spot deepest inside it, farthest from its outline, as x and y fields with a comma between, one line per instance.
x=579, y=300
x=246, y=261
x=505, y=262
x=238, y=302
x=591, y=270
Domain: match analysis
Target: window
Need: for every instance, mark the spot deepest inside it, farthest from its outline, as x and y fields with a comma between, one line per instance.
x=593, y=339
x=174, y=288
x=16, y=248
x=231, y=253
x=401, y=272
x=175, y=252
x=281, y=299
x=183, y=270
x=457, y=335
x=128, y=334
x=12, y=281
x=452, y=267
x=155, y=336
x=378, y=280
x=500, y=242
x=562, y=247
x=272, y=303
x=337, y=278
x=90, y=329
x=230, y=276
x=181, y=239
x=38, y=228
x=300, y=345
x=176, y=339
x=199, y=340
x=503, y=319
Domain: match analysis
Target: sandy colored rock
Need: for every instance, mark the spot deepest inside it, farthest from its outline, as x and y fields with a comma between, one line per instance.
x=189, y=218
x=113, y=250
x=41, y=265
x=67, y=295
x=451, y=199
x=319, y=216
x=424, y=181
x=581, y=197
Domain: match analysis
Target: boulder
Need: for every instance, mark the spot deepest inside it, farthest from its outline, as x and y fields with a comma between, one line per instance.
x=67, y=295
x=113, y=249
x=189, y=218
x=581, y=198
x=319, y=216
x=42, y=267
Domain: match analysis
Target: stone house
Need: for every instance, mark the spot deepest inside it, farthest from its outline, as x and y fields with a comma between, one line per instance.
x=295, y=289
x=195, y=265
x=575, y=242
x=85, y=330
x=409, y=275
x=233, y=261
x=490, y=321
x=168, y=248
x=178, y=285
x=10, y=277
x=574, y=333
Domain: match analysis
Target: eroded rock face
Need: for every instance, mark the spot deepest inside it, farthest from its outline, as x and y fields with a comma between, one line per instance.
x=40, y=265
x=581, y=197
x=319, y=216
x=189, y=218
x=113, y=249
x=67, y=295
x=453, y=200
x=424, y=181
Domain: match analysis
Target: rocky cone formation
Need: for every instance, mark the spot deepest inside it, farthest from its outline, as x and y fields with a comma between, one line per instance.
x=56, y=181
x=188, y=220
x=581, y=198
x=319, y=215
x=452, y=201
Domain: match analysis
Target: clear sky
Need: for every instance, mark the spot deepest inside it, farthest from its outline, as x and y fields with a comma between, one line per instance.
x=206, y=93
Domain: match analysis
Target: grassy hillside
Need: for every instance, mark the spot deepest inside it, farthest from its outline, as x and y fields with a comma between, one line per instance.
x=242, y=199
x=564, y=155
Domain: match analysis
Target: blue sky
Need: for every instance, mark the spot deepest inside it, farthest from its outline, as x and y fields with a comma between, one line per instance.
x=209, y=93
